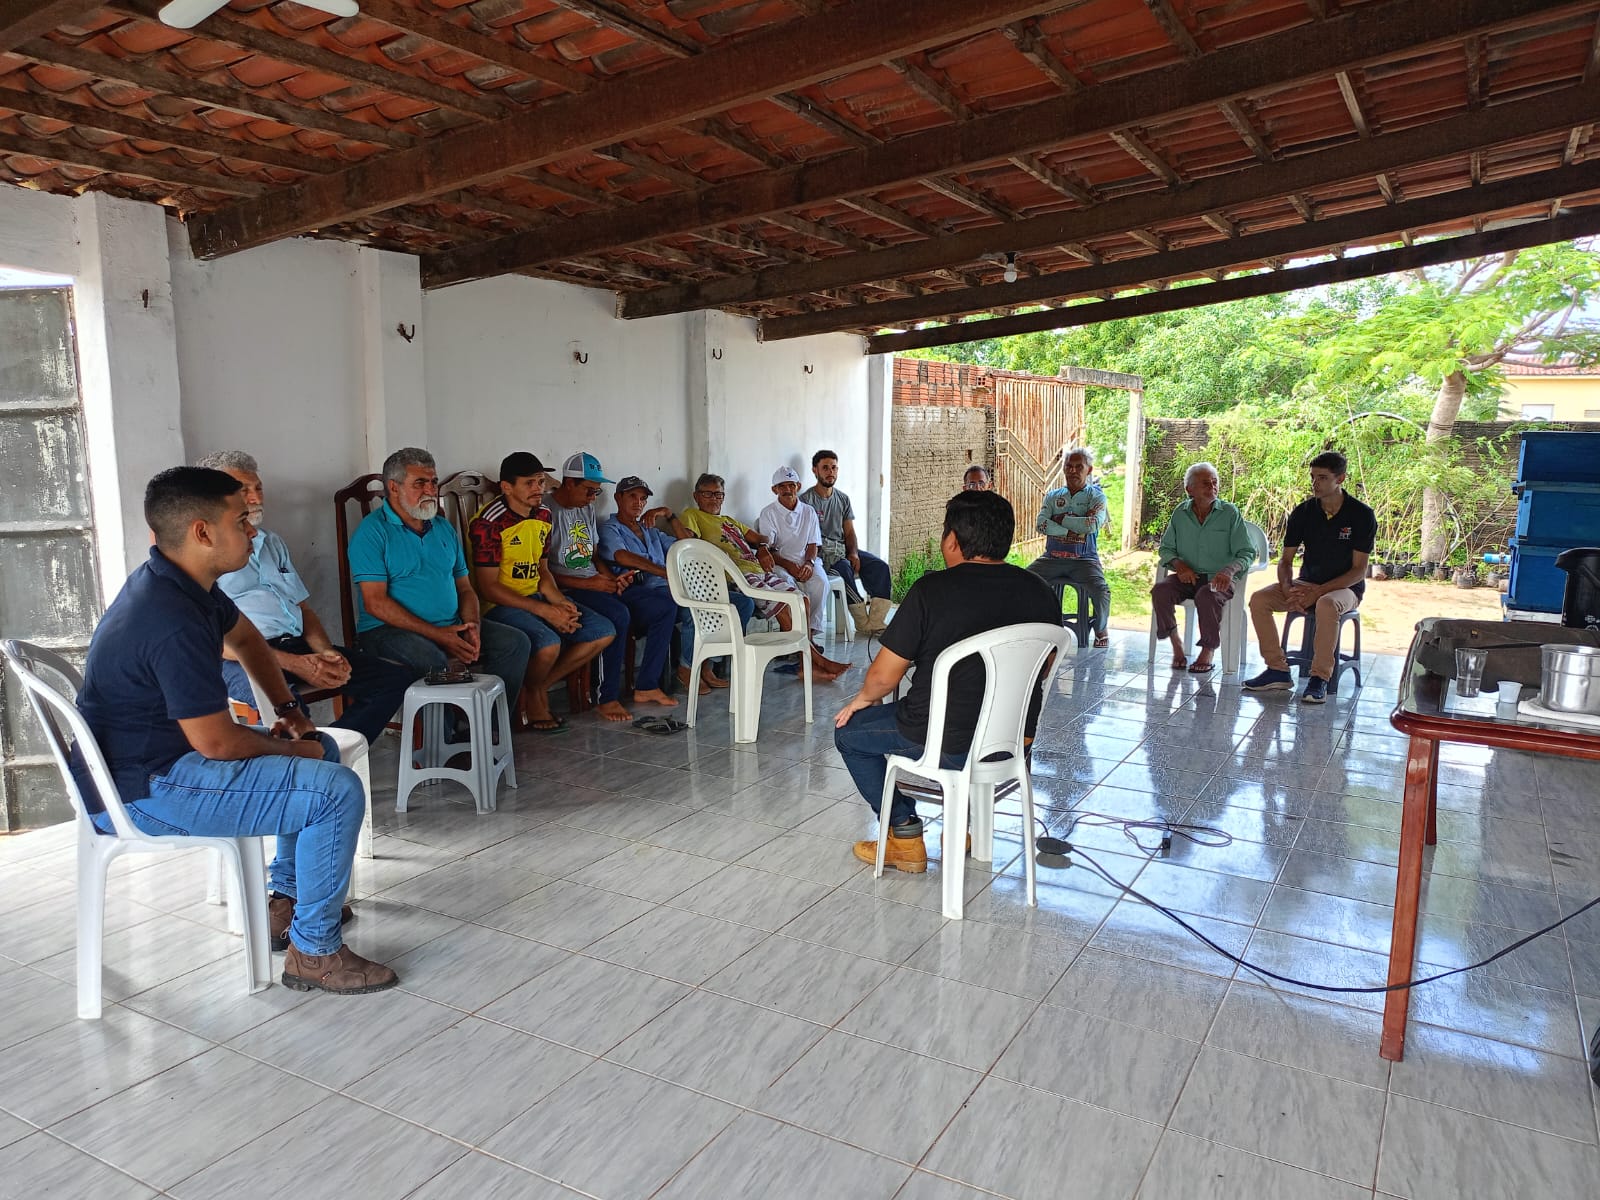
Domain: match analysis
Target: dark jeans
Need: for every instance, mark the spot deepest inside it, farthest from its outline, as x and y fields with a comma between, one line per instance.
x=865, y=743
x=614, y=610
x=373, y=695
x=874, y=577
x=653, y=612
x=742, y=604
x=503, y=651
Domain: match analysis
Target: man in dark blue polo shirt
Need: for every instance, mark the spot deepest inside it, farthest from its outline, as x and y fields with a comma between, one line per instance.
x=154, y=697
x=416, y=604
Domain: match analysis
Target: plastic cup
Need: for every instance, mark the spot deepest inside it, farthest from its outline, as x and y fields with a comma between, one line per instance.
x=1469, y=670
x=1510, y=694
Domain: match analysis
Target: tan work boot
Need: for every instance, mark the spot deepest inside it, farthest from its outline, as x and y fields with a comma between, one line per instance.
x=344, y=973
x=877, y=615
x=859, y=614
x=908, y=854
x=280, y=915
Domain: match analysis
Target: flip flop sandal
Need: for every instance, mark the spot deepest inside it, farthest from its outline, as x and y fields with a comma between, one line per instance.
x=1202, y=668
x=658, y=725
x=551, y=726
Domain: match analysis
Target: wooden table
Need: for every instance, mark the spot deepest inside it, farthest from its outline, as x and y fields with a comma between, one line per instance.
x=1422, y=716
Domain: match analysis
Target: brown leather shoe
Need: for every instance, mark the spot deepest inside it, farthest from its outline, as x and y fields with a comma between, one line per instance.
x=344, y=973
x=280, y=915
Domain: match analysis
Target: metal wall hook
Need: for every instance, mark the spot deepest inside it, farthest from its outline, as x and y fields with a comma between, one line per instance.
x=580, y=356
x=717, y=354
x=810, y=370
x=408, y=334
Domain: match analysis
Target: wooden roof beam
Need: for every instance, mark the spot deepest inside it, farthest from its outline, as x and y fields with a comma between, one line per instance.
x=1025, y=36
x=970, y=197
x=229, y=99
x=1174, y=27
x=1377, y=30
x=1366, y=266
x=770, y=61
x=468, y=40
x=1138, y=149
x=1035, y=166
x=23, y=20
x=1542, y=114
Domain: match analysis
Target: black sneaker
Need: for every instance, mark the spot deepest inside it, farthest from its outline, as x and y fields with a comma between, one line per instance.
x=1270, y=681
x=1316, y=691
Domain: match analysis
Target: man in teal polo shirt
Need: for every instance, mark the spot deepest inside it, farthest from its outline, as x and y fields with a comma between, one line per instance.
x=416, y=604
x=1206, y=546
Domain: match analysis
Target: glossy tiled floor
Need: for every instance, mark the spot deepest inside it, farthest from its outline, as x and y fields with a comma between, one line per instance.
x=657, y=971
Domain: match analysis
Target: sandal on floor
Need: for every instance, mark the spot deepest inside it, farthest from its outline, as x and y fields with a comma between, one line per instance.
x=1101, y=642
x=660, y=725
x=548, y=725
x=1202, y=668
x=1179, y=662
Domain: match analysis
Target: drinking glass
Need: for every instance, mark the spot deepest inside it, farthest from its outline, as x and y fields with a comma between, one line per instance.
x=1469, y=670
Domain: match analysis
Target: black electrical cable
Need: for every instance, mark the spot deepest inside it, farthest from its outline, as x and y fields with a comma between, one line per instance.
x=1322, y=987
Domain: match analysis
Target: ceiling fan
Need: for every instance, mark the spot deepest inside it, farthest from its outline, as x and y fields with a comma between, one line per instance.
x=185, y=14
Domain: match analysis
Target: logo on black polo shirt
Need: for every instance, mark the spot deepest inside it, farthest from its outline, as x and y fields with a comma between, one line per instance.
x=1344, y=534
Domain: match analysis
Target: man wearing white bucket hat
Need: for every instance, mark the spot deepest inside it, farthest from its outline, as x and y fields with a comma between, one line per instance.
x=792, y=530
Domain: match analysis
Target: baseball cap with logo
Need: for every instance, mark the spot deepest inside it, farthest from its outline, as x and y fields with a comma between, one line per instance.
x=785, y=475
x=583, y=465
x=629, y=483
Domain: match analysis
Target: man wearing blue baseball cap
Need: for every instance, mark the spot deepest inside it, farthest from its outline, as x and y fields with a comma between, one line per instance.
x=573, y=551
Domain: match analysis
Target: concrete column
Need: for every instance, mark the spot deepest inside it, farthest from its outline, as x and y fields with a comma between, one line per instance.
x=880, y=452
x=1133, y=485
x=394, y=383
x=707, y=389
x=128, y=364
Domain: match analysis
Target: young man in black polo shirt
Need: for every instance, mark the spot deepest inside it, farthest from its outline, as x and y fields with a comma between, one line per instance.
x=1337, y=532
x=980, y=591
x=154, y=697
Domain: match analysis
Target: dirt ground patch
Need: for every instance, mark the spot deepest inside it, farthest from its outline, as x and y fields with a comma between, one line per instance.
x=1389, y=612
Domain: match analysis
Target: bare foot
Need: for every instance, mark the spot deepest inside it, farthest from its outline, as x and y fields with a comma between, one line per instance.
x=653, y=696
x=611, y=710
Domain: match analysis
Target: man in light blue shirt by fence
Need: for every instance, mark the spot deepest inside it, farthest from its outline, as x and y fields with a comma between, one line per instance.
x=1071, y=519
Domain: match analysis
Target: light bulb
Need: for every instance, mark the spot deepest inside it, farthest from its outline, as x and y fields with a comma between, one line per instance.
x=1010, y=275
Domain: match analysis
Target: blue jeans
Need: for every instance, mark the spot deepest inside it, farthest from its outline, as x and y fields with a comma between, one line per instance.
x=614, y=610
x=865, y=743
x=504, y=652
x=315, y=807
x=591, y=627
x=653, y=612
x=874, y=577
x=742, y=604
x=373, y=695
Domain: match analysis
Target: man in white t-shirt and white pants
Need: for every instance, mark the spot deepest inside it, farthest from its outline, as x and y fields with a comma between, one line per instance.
x=792, y=530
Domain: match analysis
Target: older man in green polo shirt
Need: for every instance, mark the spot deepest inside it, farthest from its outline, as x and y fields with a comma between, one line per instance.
x=1206, y=546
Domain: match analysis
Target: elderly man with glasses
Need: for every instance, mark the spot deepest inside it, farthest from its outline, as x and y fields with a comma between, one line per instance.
x=977, y=479
x=1206, y=546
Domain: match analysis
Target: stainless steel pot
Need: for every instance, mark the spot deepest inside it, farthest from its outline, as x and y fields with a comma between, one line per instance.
x=1569, y=679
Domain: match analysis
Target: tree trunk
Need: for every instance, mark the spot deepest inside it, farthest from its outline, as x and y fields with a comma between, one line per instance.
x=1441, y=426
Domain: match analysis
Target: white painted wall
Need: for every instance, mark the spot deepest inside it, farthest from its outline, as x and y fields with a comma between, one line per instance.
x=291, y=353
x=780, y=413
x=501, y=376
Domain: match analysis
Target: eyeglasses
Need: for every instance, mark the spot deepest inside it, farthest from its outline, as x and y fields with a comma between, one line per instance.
x=712, y=495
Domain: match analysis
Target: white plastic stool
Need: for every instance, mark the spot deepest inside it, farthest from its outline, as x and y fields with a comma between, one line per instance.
x=842, y=622
x=483, y=700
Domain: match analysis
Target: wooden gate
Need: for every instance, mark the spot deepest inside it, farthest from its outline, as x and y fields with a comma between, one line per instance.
x=1035, y=419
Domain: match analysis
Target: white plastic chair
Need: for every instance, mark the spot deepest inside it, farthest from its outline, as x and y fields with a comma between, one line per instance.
x=63, y=724
x=1013, y=656
x=696, y=574
x=483, y=699
x=840, y=606
x=1235, y=617
x=352, y=754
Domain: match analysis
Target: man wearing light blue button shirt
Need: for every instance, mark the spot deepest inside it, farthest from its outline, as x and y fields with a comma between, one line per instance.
x=271, y=593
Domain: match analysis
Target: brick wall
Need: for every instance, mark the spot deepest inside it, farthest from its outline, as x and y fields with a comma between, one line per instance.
x=933, y=444
x=919, y=381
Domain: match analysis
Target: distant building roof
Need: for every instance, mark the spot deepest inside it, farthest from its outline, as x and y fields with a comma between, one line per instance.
x=1562, y=366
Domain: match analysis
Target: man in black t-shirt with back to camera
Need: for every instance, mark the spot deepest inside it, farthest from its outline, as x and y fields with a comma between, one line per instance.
x=1337, y=532
x=980, y=591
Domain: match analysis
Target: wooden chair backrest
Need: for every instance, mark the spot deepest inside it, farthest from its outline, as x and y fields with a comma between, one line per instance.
x=366, y=493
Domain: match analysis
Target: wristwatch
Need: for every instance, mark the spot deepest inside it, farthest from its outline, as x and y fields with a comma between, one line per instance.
x=288, y=706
